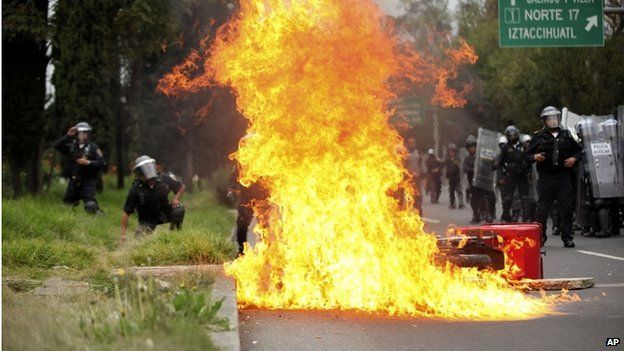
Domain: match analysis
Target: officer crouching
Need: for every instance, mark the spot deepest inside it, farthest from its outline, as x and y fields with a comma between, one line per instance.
x=555, y=152
x=86, y=163
x=148, y=195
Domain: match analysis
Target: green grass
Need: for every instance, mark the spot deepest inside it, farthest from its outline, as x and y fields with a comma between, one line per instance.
x=193, y=245
x=42, y=253
x=41, y=237
x=40, y=233
x=140, y=316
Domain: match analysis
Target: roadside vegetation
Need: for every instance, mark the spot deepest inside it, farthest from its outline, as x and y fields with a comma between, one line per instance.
x=42, y=238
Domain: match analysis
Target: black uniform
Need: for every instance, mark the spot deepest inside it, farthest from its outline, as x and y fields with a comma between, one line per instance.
x=555, y=180
x=82, y=178
x=453, y=176
x=434, y=174
x=255, y=194
x=152, y=202
x=472, y=192
x=513, y=175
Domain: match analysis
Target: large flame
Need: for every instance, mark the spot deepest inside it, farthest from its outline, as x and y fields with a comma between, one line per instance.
x=313, y=77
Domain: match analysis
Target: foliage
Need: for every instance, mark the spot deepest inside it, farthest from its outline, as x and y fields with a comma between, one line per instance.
x=191, y=134
x=23, y=18
x=194, y=245
x=86, y=67
x=24, y=69
x=40, y=232
x=42, y=237
x=143, y=306
x=140, y=314
x=514, y=84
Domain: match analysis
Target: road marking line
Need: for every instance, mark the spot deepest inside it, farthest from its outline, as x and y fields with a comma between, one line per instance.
x=620, y=285
x=601, y=255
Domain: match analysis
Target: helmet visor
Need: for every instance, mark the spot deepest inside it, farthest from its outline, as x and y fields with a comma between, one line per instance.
x=82, y=136
x=552, y=121
x=147, y=169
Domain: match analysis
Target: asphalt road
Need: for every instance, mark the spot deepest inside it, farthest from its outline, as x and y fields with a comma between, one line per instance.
x=581, y=325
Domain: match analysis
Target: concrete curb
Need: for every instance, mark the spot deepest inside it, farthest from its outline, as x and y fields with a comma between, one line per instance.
x=223, y=288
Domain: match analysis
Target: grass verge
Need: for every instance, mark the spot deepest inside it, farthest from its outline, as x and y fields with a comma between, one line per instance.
x=140, y=315
x=41, y=237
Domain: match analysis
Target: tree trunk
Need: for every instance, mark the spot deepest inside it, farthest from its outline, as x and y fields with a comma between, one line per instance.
x=119, y=128
x=119, y=148
x=24, y=85
x=35, y=170
x=16, y=179
x=189, y=170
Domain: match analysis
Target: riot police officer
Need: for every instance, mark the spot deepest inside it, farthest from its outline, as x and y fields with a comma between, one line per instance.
x=86, y=162
x=600, y=138
x=472, y=193
x=555, y=153
x=452, y=164
x=149, y=196
x=513, y=174
x=245, y=197
x=434, y=176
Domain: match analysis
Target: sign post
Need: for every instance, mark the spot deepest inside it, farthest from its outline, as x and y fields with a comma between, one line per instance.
x=550, y=23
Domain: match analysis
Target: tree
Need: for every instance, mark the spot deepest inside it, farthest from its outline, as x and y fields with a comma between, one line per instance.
x=86, y=67
x=140, y=29
x=190, y=134
x=98, y=45
x=25, y=33
x=516, y=83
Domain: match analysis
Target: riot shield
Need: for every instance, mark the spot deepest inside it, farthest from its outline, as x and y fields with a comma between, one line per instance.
x=601, y=143
x=569, y=120
x=487, y=148
x=620, y=120
x=583, y=217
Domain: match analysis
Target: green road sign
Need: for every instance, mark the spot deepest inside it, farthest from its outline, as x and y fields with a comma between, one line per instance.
x=550, y=23
x=409, y=110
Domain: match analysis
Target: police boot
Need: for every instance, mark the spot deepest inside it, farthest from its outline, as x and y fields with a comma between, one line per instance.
x=605, y=223
x=461, y=201
x=176, y=217
x=587, y=231
x=475, y=218
x=615, y=223
x=505, y=217
x=488, y=217
x=91, y=207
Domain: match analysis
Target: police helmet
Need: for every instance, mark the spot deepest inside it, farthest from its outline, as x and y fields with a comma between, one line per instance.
x=511, y=130
x=524, y=138
x=452, y=146
x=550, y=111
x=471, y=140
x=502, y=140
x=83, y=127
x=145, y=165
x=430, y=152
